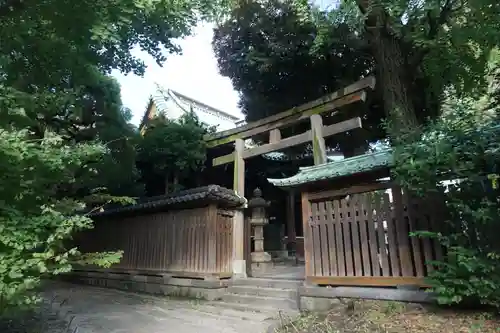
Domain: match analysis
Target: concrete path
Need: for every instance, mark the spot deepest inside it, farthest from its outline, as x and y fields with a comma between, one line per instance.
x=98, y=310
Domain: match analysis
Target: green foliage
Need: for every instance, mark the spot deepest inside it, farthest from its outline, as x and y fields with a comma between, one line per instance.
x=93, y=111
x=464, y=146
x=103, y=33
x=492, y=98
x=56, y=102
x=281, y=54
x=35, y=226
x=458, y=33
x=265, y=49
x=421, y=50
x=54, y=66
x=116, y=172
x=173, y=149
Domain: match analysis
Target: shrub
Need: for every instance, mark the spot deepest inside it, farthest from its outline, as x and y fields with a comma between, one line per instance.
x=36, y=220
x=463, y=147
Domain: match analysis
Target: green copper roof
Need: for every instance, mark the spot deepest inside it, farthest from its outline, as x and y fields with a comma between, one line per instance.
x=332, y=170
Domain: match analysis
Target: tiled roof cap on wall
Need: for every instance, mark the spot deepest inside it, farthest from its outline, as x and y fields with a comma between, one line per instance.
x=212, y=193
x=349, y=166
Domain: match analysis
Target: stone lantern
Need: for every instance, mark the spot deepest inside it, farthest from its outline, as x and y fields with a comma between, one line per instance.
x=261, y=260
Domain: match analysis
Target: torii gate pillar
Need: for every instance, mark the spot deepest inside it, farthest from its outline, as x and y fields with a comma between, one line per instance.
x=239, y=260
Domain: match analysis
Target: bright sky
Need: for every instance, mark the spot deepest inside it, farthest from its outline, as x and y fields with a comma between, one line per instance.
x=194, y=73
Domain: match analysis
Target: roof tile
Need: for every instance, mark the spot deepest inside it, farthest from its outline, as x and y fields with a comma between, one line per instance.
x=211, y=193
x=332, y=170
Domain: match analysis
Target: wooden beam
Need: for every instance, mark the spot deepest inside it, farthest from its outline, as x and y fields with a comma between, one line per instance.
x=295, y=118
x=285, y=143
x=323, y=195
x=151, y=274
x=343, y=126
x=368, y=82
x=318, y=140
x=378, y=281
x=292, y=141
x=284, y=118
x=229, y=158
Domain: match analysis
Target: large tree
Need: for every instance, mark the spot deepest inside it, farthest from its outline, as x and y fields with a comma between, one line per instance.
x=107, y=120
x=172, y=153
x=421, y=48
x=265, y=48
x=275, y=60
x=54, y=59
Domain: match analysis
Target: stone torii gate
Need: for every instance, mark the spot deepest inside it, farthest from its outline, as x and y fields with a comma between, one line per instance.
x=312, y=112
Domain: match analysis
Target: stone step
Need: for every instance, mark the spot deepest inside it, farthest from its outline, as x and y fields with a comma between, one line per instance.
x=268, y=283
x=191, y=322
x=277, y=303
x=214, y=317
x=263, y=291
x=214, y=309
x=268, y=312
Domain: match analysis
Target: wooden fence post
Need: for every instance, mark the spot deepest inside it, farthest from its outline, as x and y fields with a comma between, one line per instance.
x=306, y=214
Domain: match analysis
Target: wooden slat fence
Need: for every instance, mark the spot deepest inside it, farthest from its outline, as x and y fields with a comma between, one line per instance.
x=363, y=239
x=194, y=243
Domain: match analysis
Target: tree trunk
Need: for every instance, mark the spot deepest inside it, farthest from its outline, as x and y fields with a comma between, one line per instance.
x=393, y=71
x=393, y=81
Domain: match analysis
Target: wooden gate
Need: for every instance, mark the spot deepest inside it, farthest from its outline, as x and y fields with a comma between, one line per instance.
x=360, y=236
